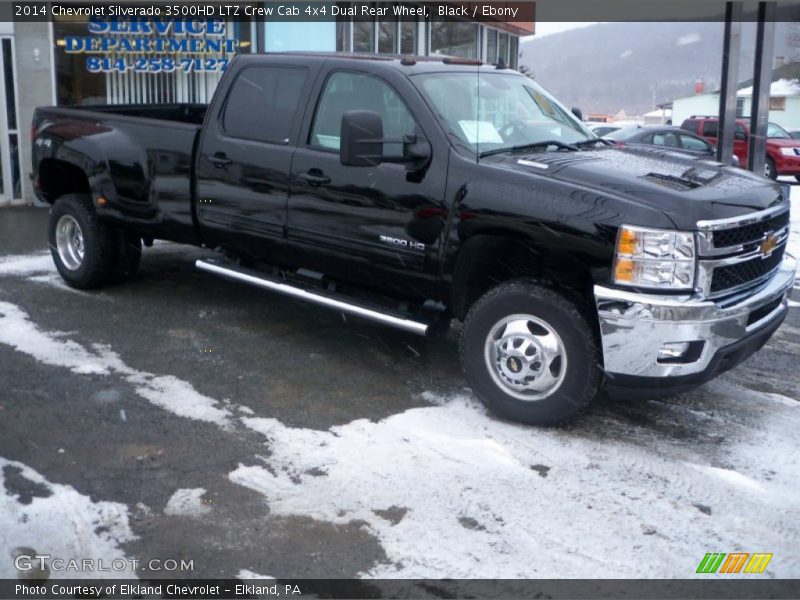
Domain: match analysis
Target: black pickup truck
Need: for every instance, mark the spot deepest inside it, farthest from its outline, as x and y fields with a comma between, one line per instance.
x=412, y=191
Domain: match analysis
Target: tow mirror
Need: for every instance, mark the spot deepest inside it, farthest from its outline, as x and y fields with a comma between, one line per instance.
x=577, y=112
x=362, y=143
x=361, y=138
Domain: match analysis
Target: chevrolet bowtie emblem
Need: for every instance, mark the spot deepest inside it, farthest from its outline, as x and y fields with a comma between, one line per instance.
x=768, y=245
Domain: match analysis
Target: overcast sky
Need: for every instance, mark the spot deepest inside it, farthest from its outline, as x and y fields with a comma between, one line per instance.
x=547, y=28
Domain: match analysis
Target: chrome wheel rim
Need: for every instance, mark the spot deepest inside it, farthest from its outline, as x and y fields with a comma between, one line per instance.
x=526, y=357
x=69, y=242
x=767, y=170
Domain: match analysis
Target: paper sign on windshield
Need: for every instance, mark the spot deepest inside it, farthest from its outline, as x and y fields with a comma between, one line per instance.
x=483, y=132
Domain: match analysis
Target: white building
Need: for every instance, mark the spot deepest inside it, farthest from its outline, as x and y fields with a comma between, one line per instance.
x=784, y=101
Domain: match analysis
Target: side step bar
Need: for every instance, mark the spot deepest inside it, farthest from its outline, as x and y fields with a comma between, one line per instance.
x=324, y=298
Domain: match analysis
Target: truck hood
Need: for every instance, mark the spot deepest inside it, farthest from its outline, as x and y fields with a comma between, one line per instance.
x=684, y=188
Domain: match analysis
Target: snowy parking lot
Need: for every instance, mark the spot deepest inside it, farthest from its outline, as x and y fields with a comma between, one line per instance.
x=182, y=417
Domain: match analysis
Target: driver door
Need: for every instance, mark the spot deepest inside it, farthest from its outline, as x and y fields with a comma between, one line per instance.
x=377, y=224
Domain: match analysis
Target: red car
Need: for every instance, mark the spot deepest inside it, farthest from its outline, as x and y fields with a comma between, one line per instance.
x=783, y=152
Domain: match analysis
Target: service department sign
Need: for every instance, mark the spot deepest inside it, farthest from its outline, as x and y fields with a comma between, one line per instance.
x=154, y=45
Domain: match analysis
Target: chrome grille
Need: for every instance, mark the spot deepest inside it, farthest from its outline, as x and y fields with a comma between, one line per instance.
x=753, y=232
x=733, y=276
x=733, y=254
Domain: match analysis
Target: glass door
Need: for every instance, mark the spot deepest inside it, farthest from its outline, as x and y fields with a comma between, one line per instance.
x=10, y=181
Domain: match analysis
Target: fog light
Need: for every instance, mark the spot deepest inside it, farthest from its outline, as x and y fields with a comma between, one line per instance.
x=682, y=353
x=673, y=350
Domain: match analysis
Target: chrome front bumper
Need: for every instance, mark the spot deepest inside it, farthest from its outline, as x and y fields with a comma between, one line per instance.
x=634, y=327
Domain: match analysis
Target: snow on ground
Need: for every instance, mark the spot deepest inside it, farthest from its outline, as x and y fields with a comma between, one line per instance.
x=245, y=574
x=53, y=519
x=50, y=347
x=187, y=502
x=26, y=264
x=452, y=492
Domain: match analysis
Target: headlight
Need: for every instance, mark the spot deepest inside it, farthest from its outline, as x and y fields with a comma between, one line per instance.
x=654, y=258
x=788, y=151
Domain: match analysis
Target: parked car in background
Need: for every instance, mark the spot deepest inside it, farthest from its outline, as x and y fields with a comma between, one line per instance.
x=783, y=151
x=795, y=135
x=673, y=138
x=601, y=129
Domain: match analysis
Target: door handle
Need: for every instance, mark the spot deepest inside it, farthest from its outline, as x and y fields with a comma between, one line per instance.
x=314, y=177
x=219, y=160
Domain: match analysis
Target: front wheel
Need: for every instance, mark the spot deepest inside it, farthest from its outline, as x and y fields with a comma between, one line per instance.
x=529, y=353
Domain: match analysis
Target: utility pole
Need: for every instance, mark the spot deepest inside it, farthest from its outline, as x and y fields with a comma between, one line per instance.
x=732, y=44
x=762, y=81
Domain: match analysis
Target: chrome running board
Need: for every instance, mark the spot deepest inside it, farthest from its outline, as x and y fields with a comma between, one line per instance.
x=321, y=297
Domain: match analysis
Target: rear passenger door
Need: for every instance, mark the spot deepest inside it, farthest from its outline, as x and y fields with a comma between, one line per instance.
x=245, y=157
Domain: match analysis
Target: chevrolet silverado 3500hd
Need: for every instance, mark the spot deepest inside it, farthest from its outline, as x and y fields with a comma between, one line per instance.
x=412, y=191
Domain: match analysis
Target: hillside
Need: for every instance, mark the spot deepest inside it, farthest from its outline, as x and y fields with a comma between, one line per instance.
x=612, y=66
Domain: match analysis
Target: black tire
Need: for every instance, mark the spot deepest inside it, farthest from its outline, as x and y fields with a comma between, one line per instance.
x=582, y=374
x=769, y=169
x=93, y=269
x=128, y=254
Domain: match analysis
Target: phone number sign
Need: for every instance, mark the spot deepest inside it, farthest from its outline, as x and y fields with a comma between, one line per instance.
x=154, y=46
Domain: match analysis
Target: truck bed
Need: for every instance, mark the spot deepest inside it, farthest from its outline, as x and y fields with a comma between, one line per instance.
x=149, y=153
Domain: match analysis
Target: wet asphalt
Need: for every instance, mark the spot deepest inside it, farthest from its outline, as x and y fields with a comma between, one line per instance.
x=303, y=365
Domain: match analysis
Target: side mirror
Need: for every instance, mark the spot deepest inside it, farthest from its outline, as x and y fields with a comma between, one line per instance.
x=577, y=112
x=362, y=143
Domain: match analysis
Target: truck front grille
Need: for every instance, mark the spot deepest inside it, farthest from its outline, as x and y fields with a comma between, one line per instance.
x=752, y=232
x=734, y=276
x=738, y=254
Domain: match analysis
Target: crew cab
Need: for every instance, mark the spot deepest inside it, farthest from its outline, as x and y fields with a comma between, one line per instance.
x=414, y=191
x=783, y=151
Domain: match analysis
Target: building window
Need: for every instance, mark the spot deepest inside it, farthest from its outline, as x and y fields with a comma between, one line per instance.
x=739, y=107
x=344, y=29
x=387, y=37
x=364, y=36
x=777, y=103
x=491, y=46
x=408, y=37
x=454, y=39
x=513, y=59
x=502, y=49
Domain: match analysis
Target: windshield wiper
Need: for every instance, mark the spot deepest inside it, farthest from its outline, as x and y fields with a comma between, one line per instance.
x=603, y=141
x=530, y=146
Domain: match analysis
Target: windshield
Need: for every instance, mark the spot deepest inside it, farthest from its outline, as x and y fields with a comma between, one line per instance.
x=775, y=131
x=494, y=111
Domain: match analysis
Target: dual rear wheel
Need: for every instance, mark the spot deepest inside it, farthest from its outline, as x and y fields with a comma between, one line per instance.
x=87, y=252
